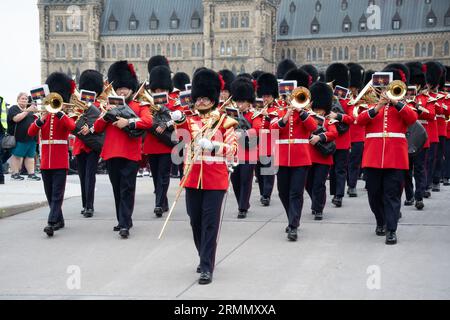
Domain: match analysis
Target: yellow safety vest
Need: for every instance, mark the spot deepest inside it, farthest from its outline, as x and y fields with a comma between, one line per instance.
x=3, y=113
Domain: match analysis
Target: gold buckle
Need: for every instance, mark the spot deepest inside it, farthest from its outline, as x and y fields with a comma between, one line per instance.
x=385, y=134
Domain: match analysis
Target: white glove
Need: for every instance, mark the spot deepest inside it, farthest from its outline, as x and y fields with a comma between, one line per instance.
x=206, y=144
x=176, y=115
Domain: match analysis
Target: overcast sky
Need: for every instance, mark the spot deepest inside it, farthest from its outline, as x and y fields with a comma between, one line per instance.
x=20, y=49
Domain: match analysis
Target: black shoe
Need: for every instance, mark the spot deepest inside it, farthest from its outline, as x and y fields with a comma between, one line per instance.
x=427, y=194
x=318, y=216
x=242, y=214
x=116, y=228
x=292, y=234
x=352, y=192
x=2, y=180
x=205, y=278
x=446, y=182
x=436, y=187
x=198, y=269
x=419, y=205
x=287, y=229
x=380, y=231
x=49, y=230
x=59, y=225
x=124, y=233
x=83, y=211
x=33, y=177
x=265, y=201
x=409, y=202
x=89, y=213
x=337, y=201
x=17, y=177
x=391, y=237
x=158, y=212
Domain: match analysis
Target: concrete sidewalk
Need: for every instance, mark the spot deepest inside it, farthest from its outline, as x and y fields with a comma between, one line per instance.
x=22, y=196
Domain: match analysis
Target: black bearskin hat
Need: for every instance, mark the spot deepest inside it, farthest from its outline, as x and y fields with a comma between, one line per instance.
x=62, y=84
x=443, y=76
x=160, y=79
x=368, y=76
x=267, y=84
x=311, y=70
x=402, y=69
x=242, y=90
x=157, y=61
x=122, y=75
x=433, y=73
x=303, y=78
x=284, y=66
x=180, y=80
x=339, y=74
x=256, y=74
x=228, y=77
x=356, y=75
x=416, y=75
x=206, y=83
x=321, y=96
x=245, y=75
x=91, y=80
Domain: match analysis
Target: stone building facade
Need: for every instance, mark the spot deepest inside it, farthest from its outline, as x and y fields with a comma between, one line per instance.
x=241, y=35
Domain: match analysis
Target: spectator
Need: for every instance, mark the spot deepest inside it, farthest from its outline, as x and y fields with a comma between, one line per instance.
x=20, y=117
x=3, y=125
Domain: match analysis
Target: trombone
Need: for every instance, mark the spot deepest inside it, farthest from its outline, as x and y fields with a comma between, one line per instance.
x=300, y=99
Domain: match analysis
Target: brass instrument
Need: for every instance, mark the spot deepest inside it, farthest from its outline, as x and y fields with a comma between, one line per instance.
x=53, y=103
x=76, y=107
x=260, y=111
x=300, y=99
x=396, y=90
x=107, y=92
x=145, y=98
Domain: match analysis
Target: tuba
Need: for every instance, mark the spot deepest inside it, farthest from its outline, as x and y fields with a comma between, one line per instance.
x=300, y=98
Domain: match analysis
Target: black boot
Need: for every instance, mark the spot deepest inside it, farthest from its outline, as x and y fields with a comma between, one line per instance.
x=242, y=214
x=337, y=201
x=292, y=234
x=352, y=192
x=158, y=212
x=391, y=237
x=409, y=202
x=380, y=231
x=419, y=204
x=318, y=215
x=49, y=230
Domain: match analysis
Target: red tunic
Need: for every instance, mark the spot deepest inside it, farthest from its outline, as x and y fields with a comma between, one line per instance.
x=262, y=125
x=54, y=141
x=386, y=146
x=343, y=141
x=79, y=146
x=117, y=142
x=331, y=135
x=441, y=116
x=357, y=131
x=292, y=140
x=425, y=117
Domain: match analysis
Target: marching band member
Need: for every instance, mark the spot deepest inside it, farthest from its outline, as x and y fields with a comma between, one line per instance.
x=446, y=171
x=338, y=73
x=292, y=157
x=267, y=89
x=357, y=132
x=426, y=113
x=54, y=129
x=322, y=100
x=385, y=159
x=311, y=70
x=158, y=150
x=284, y=66
x=243, y=94
x=121, y=152
x=228, y=77
x=206, y=177
x=87, y=158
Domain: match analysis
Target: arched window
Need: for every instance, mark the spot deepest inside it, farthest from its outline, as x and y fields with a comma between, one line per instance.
x=401, y=50
x=158, y=49
x=103, y=52
x=361, y=53
x=229, y=49
x=127, y=51
x=246, y=47
x=222, y=48
x=334, y=54
x=147, y=51
x=69, y=73
x=388, y=51
x=417, y=50
x=77, y=75
x=108, y=51
x=283, y=55
x=138, y=51
x=394, y=51
x=308, y=54
x=340, y=53
x=367, y=52
x=63, y=50
x=114, y=51
x=58, y=51
x=199, y=50
x=288, y=53
x=430, y=49
x=193, y=50
x=320, y=54
x=446, y=48
x=424, y=50
x=314, y=55
x=240, y=49
x=74, y=51
x=373, y=52
x=179, y=51
x=346, y=57
x=294, y=55
x=80, y=51
x=168, y=50
x=242, y=69
x=174, y=50
x=153, y=52
x=133, y=51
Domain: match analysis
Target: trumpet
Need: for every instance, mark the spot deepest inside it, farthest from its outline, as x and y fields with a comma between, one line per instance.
x=300, y=99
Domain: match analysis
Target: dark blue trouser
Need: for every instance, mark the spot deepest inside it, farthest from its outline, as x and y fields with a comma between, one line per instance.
x=416, y=169
x=266, y=176
x=160, y=165
x=446, y=170
x=54, y=187
x=242, y=180
x=2, y=177
x=431, y=158
x=204, y=210
x=439, y=162
x=87, y=164
x=122, y=174
x=338, y=173
x=315, y=185
x=354, y=164
x=291, y=186
x=384, y=189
